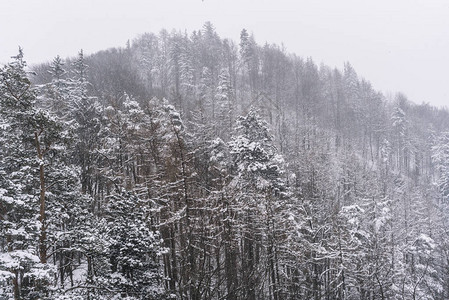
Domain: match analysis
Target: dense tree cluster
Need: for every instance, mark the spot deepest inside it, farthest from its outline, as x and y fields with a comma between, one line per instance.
x=186, y=166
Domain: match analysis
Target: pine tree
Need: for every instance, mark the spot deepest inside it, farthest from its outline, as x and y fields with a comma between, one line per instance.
x=225, y=106
x=257, y=176
x=26, y=137
x=85, y=117
x=134, y=250
x=54, y=96
x=441, y=158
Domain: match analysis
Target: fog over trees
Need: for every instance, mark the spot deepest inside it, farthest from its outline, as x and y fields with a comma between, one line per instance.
x=188, y=166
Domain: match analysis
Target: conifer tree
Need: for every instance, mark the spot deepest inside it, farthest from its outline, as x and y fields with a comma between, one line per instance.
x=27, y=137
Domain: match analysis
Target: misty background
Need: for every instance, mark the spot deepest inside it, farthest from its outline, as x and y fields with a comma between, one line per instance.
x=400, y=46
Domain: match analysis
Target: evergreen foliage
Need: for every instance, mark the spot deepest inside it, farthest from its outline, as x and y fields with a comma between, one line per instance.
x=192, y=167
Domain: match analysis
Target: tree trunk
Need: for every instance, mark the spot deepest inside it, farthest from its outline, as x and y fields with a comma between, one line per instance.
x=42, y=218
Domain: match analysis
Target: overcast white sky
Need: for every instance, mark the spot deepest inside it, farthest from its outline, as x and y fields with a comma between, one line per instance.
x=398, y=45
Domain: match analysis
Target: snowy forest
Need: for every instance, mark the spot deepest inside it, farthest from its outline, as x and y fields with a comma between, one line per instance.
x=188, y=166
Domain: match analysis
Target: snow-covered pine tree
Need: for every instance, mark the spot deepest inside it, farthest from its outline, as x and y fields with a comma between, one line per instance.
x=27, y=137
x=225, y=106
x=85, y=116
x=257, y=176
x=54, y=96
x=135, y=250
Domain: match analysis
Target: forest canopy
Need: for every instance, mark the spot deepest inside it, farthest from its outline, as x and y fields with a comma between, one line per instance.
x=188, y=166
